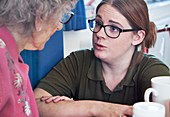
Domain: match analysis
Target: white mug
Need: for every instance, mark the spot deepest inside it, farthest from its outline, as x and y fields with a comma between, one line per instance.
x=148, y=109
x=161, y=94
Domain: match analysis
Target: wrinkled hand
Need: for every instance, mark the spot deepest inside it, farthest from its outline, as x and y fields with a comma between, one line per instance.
x=55, y=99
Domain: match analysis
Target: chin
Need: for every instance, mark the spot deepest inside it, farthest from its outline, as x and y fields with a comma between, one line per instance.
x=40, y=48
x=35, y=48
x=98, y=54
x=101, y=54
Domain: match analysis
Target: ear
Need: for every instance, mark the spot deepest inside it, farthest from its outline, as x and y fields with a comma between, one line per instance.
x=38, y=24
x=139, y=37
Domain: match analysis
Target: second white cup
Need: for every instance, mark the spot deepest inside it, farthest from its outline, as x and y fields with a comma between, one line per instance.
x=160, y=90
x=148, y=109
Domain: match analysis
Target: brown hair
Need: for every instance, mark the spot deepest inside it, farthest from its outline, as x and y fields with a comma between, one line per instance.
x=136, y=12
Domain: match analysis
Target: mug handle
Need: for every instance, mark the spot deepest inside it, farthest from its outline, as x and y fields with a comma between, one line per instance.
x=148, y=92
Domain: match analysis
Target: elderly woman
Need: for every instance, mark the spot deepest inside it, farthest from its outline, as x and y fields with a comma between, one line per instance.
x=108, y=79
x=25, y=24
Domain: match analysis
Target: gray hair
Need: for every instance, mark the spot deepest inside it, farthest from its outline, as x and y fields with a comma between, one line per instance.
x=22, y=13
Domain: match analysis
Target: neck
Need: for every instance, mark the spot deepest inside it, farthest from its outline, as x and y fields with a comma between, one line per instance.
x=114, y=74
x=20, y=40
x=114, y=71
x=117, y=67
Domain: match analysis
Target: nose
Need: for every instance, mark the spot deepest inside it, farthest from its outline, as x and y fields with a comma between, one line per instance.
x=101, y=33
x=56, y=27
x=59, y=26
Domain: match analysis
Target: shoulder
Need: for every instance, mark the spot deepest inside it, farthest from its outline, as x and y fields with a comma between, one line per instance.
x=4, y=73
x=77, y=58
x=85, y=54
x=149, y=67
x=152, y=66
x=149, y=59
x=3, y=51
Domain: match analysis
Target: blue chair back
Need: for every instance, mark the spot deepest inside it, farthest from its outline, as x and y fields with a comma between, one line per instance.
x=41, y=62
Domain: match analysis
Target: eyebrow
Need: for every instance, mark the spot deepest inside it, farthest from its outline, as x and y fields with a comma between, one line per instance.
x=98, y=16
x=111, y=21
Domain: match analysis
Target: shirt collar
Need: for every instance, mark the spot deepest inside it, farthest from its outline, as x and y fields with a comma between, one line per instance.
x=95, y=72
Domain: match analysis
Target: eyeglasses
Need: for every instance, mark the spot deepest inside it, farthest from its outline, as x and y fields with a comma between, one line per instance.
x=67, y=17
x=110, y=30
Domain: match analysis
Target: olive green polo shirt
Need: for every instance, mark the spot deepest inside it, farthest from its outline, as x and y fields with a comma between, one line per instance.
x=79, y=76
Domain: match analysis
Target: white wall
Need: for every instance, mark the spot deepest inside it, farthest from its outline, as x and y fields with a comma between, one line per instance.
x=159, y=13
x=75, y=40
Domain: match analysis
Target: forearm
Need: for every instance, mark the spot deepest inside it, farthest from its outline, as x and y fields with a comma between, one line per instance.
x=77, y=108
x=82, y=109
x=66, y=108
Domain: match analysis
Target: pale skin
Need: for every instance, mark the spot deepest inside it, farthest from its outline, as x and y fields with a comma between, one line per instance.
x=42, y=33
x=64, y=106
x=114, y=69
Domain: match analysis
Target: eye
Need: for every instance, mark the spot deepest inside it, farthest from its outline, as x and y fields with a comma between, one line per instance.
x=98, y=23
x=114, y=29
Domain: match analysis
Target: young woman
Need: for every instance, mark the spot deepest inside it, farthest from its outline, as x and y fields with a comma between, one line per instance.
x=25, y=24
x=107, y=80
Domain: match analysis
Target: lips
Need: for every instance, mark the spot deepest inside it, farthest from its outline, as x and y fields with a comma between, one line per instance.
x=99, y=46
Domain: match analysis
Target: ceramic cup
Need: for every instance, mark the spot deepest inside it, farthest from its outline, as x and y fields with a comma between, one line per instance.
x=160, y=90
x=148, y=109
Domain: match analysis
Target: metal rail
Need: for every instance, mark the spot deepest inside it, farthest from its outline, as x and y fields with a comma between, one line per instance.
x=163, y=28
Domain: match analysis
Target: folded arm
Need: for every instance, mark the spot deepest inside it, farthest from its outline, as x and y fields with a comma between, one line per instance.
x=69, y=107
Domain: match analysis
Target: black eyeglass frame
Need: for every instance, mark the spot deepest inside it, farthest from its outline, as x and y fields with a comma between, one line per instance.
x=103, y=26
x=71, y=15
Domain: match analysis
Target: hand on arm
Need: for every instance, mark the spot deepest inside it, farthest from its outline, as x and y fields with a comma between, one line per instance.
x=55, y=99
x=68, y=107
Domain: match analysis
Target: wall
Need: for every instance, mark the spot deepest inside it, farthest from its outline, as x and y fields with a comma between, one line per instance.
x=159, y=13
